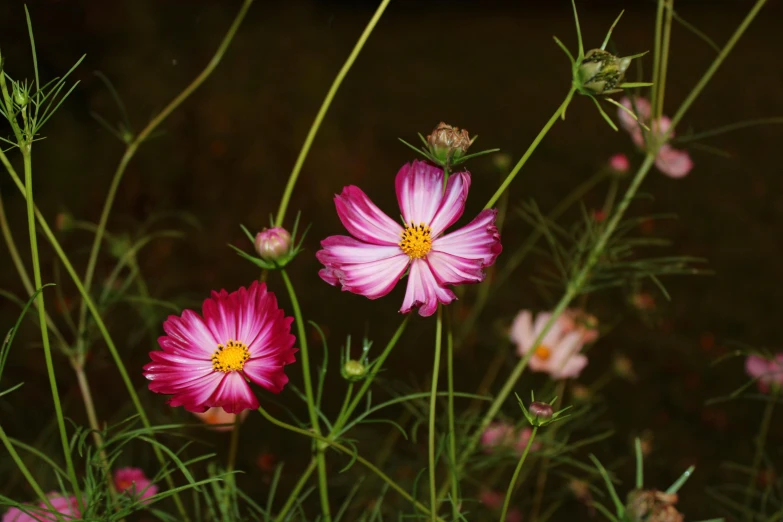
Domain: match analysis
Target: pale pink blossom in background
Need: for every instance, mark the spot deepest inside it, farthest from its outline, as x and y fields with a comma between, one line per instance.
x=769, y=372
x=619, y=163
x=576, y=320
x=379, y=251
x=65, y=506
x=135, y=483
x=502, y=435
x=672, y=162
x=558, y=352
x=221, y=416
x=494, y=501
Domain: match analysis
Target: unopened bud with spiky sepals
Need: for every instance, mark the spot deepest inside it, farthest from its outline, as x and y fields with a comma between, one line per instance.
x=275, y=246
x=598, y=72
x=447, y=146
x=354, y=370
x=541, y=413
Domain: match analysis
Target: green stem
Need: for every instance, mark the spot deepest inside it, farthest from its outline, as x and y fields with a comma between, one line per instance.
x=452, y=431
x=304, y=355
x=27, y=475
x=133, y=146
x=100, y=325
x=289, y=188
x=514, y=477
x=232, y=459
x=761, y=441
x=376, y=366
x=657, y=59
x=28, y=185
x=433, y=403
x=660, y=87
x=366, y=463
x=294, y=495
x=529, y=151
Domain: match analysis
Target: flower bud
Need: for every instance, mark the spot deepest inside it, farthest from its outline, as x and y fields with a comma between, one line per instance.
x=652, y=505
x=541, y=410
x=353, y=370
x=273, y=243
x=447, y=143
x=20, y=96
x=600, y=72
x=619, y=164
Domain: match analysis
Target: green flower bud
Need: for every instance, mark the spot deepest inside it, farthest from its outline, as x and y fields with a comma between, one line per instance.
x=353, y=370
x=448, y=144
x=20, y=96
x=600, y=72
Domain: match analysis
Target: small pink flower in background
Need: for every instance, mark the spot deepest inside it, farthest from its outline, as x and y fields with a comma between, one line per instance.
x=135, y=483
x=206, y=362
x=673, y=162
x=502, y=435
x=494, y=501
x=558, y=353
x=769, y=372
x=619, y=163
x=372, y=261
x=67, y=507
x=221, y=416
x=576, y=320
x=643, y=301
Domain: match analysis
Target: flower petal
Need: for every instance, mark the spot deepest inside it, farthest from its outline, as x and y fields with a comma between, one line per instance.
x=424, y=291
x=364, y=220
x=233, y=394
x=372, y=279
x=673, y=162
x=479, y=239
x=266, y=374
x=522, y=331
x=419, y=191
x=453, y=204
x=347, y=250
x=193, y=395
x=453, y=270
x=188, y=335
x=640, y=107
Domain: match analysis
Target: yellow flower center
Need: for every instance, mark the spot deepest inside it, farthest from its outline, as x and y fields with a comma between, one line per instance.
x=416, y=240
x=543, y=352
x=231, y=357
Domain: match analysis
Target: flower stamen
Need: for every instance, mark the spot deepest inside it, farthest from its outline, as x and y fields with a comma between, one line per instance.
x=231, y=357
x=416, y=240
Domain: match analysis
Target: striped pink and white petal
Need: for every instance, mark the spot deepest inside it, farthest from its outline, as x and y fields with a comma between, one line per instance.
x=234, y=394
x=424, y=291
x=419, y=188
x=478, y=240
x=673, y=162
x=452, y=270
x=372, y=279
x=364, y=220
x=453, y=203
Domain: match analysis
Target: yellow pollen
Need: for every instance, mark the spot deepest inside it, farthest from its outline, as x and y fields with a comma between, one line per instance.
x=416, y=240
x=231, y=357
x=543, y=352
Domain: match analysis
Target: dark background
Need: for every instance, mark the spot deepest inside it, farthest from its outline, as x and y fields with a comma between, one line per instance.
x=490, y=67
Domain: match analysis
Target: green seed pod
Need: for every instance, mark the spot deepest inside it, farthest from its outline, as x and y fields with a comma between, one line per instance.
x=353, y=370
x=600, y=72
x=448, y=144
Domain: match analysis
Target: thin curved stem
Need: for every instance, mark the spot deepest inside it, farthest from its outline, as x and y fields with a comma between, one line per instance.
x=529, y=151
x=294, y=495
x=289, y=188
x=232, y=459
x=514, y=477
x=323, y=487
x=366, y=463
x=761, y=441
x=452, y=429
x=133, y=146
x=433, y=404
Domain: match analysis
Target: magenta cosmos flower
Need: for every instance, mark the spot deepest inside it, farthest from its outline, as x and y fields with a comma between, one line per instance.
x=372, y=261
x=65, y=506
x=135, y=483
x=768, y=371
x=207, y=361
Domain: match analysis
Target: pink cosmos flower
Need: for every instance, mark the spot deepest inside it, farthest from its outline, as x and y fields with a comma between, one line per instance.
x=769, y=372
x=65, y=506
x=576, y=320
x=206, y=362
x=673, y=162
x=135, y=483
x=372, y=261
x=220, y=416
x=558, y=353
x=502, y=435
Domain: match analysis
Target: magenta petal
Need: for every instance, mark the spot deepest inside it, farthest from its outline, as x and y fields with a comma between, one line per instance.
x=756, y=366
x=642, y=111
x=266, y=374
x=347, y=250
x=233, y=394
x=419, y=191
x=479, y=239
x=372, y=279
x=453, y=203
x=189, y=334
x=453, y=270
x=673, y=162
x=424, y=291
x=364, y=220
